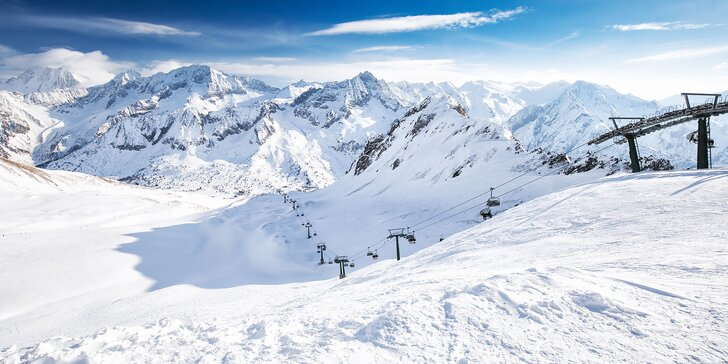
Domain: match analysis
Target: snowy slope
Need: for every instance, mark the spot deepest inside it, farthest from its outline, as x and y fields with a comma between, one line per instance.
x=64, y=228
x=611, y=270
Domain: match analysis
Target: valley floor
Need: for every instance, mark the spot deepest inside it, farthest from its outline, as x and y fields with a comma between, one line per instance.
x=630, y=268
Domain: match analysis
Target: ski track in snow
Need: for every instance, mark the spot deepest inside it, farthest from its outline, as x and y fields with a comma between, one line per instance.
x=628, y=268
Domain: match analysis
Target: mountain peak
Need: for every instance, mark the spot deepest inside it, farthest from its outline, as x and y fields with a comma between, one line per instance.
x=125, y=77
x=366, y=76
x=42, y=79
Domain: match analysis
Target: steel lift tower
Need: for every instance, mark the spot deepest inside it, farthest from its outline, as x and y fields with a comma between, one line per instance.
x=641, y=126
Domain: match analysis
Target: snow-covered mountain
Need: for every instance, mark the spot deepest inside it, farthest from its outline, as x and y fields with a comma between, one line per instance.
x=582, y=112
x=114, y=272
x=42, y=79
x=196, y=128
x=578, y=114
x=24, y=103
x=23, y=126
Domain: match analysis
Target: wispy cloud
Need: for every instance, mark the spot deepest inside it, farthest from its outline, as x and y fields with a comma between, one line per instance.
x=680, y=54
x=520, y=46
x=675, y=25
x=572, y=35
x=420, y=22
x=107, y=25
x=721, y=67
x=163, y=66
x=6, y=51
x=392, y=48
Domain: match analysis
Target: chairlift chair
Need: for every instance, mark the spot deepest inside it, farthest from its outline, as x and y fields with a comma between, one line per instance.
x=492, y=201
x=369, y=253
x=375, y=255
x=486, y=213
x=352, y=264
x=411, y=238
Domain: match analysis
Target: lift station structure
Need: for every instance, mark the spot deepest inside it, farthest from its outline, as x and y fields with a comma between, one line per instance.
x=640, y=126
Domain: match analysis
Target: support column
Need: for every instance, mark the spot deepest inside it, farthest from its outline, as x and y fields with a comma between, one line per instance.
x=703, y=143
x=396, y=239
x=633, y=156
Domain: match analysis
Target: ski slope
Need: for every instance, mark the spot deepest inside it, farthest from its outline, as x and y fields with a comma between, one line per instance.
x=624, y=268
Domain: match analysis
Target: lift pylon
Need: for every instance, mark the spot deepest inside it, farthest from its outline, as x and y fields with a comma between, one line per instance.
x=670, y=117
x=308, y=229
x=320, y=248
x=634, y=157
x=343, y=261
x=401, y=233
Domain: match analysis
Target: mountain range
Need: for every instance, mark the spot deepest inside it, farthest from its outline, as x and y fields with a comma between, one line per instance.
x=196, y=128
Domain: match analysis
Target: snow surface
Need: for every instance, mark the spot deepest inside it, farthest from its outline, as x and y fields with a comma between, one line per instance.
x=623, y=268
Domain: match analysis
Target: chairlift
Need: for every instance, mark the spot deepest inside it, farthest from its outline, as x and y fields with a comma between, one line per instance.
x=369, y=252
x=486, y=213
x=492, y=201
x=411, y=238
x=692, y=137
x=352, y=264
x=375, y=255
x=331, y=261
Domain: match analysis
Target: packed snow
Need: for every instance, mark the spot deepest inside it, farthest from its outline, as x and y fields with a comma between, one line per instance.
x=622, y=268
x=215, y=265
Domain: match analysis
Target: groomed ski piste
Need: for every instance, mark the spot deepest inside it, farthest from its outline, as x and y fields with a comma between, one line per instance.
x=626, y=268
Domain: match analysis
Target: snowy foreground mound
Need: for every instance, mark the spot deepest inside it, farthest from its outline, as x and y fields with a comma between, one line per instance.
x=627, y=268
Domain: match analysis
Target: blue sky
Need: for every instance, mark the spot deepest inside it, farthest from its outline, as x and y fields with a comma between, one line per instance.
x=649, y=48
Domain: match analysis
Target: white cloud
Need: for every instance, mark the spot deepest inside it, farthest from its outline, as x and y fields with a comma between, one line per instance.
x=391, y=69
x=107, y=25
x=420, y=22
x=393, y=48
x=137, y=27
x=163, y=66
x=6, y=51
x=675, y=25
x=680, y=54
x=90, y=68
x=721, y=67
